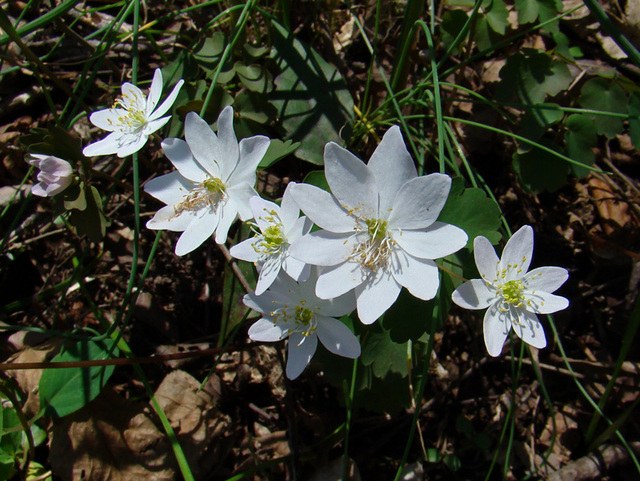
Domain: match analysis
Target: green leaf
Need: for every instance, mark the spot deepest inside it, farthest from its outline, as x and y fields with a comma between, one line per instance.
x=452, y=23
x=540, y=170
x=531, y=76
x=602, y=94
x=581, y=138
x=277, y=150
x=471, y=210
x=634, y=121
x=484, y=35
x=317, y=178
x=64, y=391
x=497, y=16
x=536, y=121
x=254, y=77
x=254, y=107
x=383, y=354
x=90, y=221
x=210, y=52
x=313, y=102
x=409, y=318
x=531, y=10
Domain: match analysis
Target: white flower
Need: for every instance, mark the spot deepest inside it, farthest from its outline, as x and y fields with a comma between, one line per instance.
x=291, y=309
x=55, y=174
x=379, y=229
x=132, y=119
x=512, y=295
x=279, y=227
x=213, y=183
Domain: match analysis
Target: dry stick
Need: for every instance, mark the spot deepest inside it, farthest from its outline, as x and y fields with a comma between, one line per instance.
x=594, y=465
x=234, y=267
x=8, y=366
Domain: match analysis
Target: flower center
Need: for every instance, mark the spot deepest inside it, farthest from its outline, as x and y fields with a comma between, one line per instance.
x=134, y=117
x=297, y=319
x=512, y=292
x=209, y=194
x=373, y=253
x=273, y=238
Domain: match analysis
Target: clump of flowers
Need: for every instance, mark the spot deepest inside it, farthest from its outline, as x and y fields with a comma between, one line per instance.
x=277, y=228
x=132, y=119
x=213, y=183
x=511, y=293
x=378, y=227
x=54, y=177
x=292, y=310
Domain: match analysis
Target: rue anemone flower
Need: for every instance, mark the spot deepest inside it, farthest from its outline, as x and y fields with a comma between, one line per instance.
x=291, y=310
x=132, y=119
x=54, y=177
x=511, y=293
x=213, y=183
x=277, y=227
x=378, y=229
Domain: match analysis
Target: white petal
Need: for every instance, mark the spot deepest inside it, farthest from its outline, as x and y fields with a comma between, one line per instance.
x=338, y=280
x=301, y=226
x=516, y=256
x=301, y=350
x=155, y=91
x=338, y=306
x=268, y=273
x=376, y=295
x=156, y=124
x=337, y=337
x=133, y=97
x=166, y=218
x=170, y=188
x=322, y=208
x=204, y=144
x=178, y=152
x=252, y=151
x=39, y=190
x=289, y=209
x=239, y=197
x=107, y=146
x=487, y=261
x=436, y=241
x=547, y=279
x=130, y=144
x=529, y=329
x=496, y=330
x=544, y=303
x=419, y=202
x=245, y=250
x=168, y=102
x=391, y=166
x=198, y=231
x=473, y=294
x=419, y=276
x=264, y=330
x=105, y=118
x=296, y=269
x=350, y=180
x=323, y=248
x=262, y=212
x=228, y=214
x=228, y=142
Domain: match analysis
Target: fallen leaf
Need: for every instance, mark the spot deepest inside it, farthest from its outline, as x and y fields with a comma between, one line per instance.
x=110, y=439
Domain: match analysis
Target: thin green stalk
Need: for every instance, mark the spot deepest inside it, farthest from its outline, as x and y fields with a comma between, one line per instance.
x=41, y=21
x=585, y=394
x=526, y=141
x=413, y=12
x=242, y=20
x=418, y=402
x=627, y=341
x=347, y=426
x=615, y=33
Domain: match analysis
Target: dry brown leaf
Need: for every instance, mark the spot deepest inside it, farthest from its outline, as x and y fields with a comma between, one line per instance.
x=200, y=427
x=614, y=213
x=110, y=439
